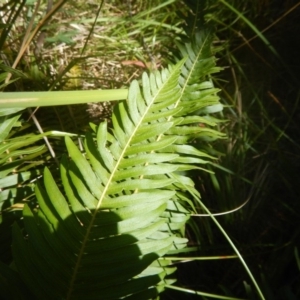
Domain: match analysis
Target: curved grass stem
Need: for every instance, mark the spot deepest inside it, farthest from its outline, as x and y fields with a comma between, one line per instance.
x=226, y=236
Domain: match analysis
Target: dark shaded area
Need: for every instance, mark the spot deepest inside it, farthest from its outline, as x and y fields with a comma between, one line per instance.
x=46, y=259
x=267, y=229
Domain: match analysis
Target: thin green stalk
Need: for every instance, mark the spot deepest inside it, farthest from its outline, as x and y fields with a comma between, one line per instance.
x=200, y=293
x=227, y=238
x=92, y=29
x=34, y=99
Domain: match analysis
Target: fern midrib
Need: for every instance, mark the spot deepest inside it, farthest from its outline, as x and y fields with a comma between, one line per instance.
x=186, y=82
x=110, y=180
x=181, y=92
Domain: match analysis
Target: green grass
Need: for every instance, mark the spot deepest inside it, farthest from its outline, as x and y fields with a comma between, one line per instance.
x=91, y=48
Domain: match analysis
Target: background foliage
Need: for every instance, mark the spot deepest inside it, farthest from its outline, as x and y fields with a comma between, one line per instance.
x=257, y=164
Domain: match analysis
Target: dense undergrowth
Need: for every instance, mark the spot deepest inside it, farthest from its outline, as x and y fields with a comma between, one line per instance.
x=256, y=173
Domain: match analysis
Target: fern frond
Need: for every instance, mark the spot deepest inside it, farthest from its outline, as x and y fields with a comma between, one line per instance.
x=195, y=80
x=199, y=97
x=121, y=205
x=111, y=223
x=193, y=125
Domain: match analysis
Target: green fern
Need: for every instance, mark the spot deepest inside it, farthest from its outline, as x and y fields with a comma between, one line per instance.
x=103, y=232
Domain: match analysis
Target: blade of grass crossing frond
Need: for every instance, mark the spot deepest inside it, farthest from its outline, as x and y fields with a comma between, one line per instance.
x=225, y=235
x=34, y=99
x=214, y=296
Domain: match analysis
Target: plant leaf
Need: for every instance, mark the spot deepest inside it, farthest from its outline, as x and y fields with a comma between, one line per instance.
x=103, y=230
x=121, y=204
